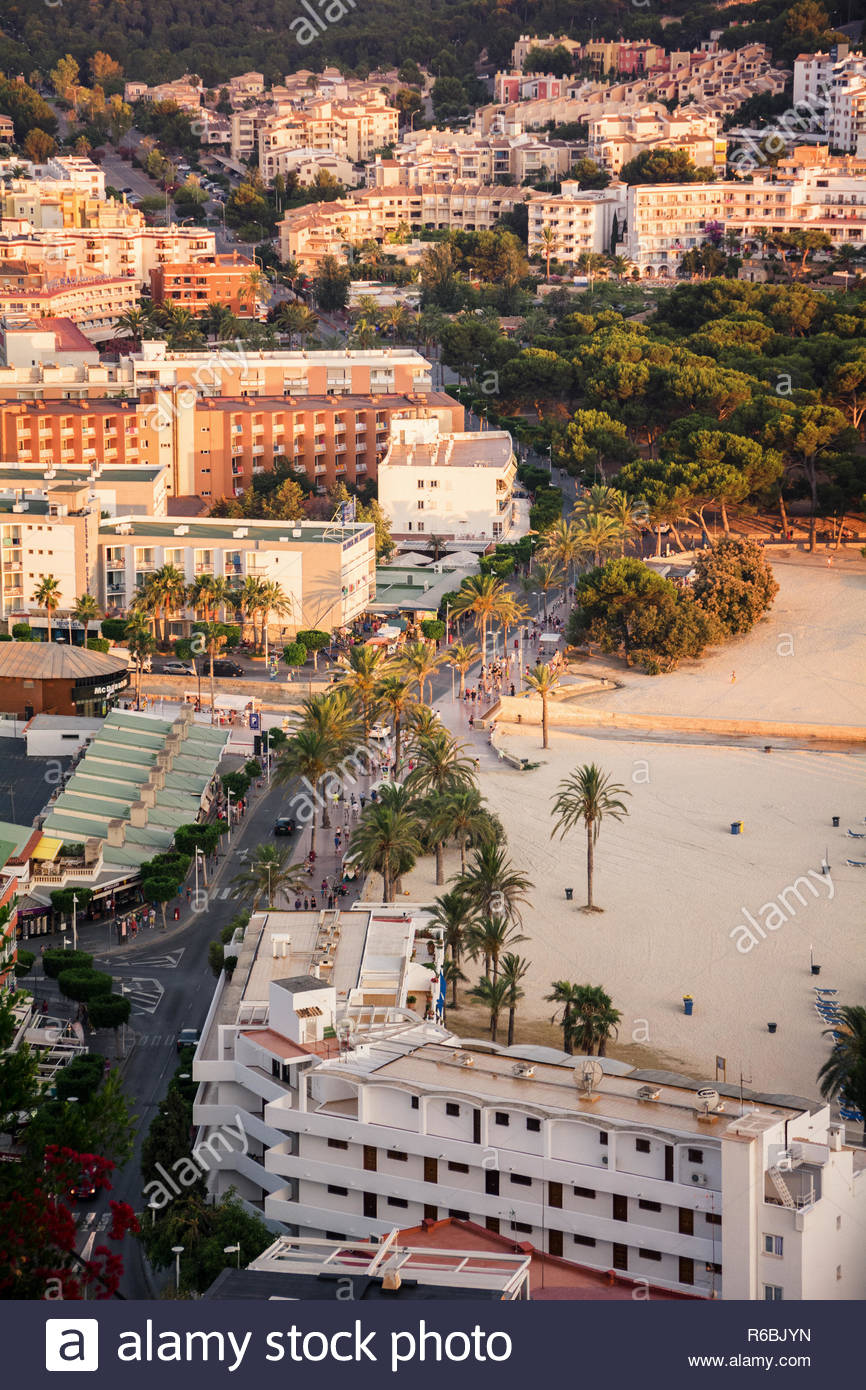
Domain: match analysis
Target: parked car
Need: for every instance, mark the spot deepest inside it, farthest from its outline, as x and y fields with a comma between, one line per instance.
x=284, y=825
x=188, y=1037
x=177, y=668
x=228, y=668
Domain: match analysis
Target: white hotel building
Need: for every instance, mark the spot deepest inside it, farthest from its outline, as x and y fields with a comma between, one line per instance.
x=361, y=1117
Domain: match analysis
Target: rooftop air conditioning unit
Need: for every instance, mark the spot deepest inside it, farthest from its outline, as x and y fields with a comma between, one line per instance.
x=181, y=530
x=297, y=533
x=700, y=1178
x=523, y=1069
x=465, y=1059
x=604, y=1160
x=648, y=1093
x=241, y=533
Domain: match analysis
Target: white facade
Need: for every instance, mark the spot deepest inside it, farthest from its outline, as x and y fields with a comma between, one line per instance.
x=581, y=221
x=698, y=1194
x=457, y=485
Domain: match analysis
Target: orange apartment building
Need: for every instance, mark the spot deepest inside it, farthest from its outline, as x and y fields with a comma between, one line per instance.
x=94, y=303
x=194, y=285
x=214, y=446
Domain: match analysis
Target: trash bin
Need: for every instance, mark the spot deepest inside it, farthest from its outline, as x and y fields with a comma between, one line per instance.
x=836, y=821
x=771, y=1027
x=569, y=894
x=688, y=1004
x=816, y=970
x=736, y=827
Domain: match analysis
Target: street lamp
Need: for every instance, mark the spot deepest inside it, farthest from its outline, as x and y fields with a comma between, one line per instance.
x=229, y=815
x=232, y=1250
x=177, y=1251
x=123, y=1024
x=75, y=921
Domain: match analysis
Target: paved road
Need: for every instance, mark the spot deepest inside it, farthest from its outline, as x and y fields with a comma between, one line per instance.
x=171, y=987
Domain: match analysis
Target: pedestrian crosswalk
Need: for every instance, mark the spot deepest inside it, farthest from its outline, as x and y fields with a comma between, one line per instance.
x=94, y=1221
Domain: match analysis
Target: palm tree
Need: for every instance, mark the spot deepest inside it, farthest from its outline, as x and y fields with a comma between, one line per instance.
x=454, y=915
x=140, y=644
x=422, y=722
x=169, y=587
x=182, y=329
x=440, y=765
x=489, y=937
x=253, y=287
x=588, y=796
x=628, y=514
x=306, y=757
x=47, y=596
x=593, y=1020
x=546, y=576
x=462, y=656
x=513, y=970
x=86, y=611
x=250, y=600
x=419, y=662
x=396, y=320
x=561, y=544
x=396, y=696
x=598, y=535
x=274, y=599
x=492, y=884
x=362, y=672
x=542, y=680
x=484, y=596
x=843, y=1075
x=268, y=873
x=548, y=246
x=217, y=321
x=387, y=841
x=363, y=335
x=334, y=718
x=461, y=815
x=453, y=976
x=566, y=994
x=132, y=324
x=493, y=994
x=213, y=638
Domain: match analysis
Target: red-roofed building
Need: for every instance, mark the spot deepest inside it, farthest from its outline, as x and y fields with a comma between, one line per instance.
x=550, y=1276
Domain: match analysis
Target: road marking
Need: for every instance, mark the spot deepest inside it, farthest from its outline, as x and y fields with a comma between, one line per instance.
x=170, y=961
x=144, y=993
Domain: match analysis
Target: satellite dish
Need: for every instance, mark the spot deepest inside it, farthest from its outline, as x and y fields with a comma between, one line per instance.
x=588, y=1074
x=708, y=1098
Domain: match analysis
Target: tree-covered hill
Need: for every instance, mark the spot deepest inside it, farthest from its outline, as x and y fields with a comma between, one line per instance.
x=159, y=39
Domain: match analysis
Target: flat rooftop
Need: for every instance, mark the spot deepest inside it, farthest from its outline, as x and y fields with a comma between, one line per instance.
x=365, y=950
x=211, y=528
x=484, y=449
x=491, y=1076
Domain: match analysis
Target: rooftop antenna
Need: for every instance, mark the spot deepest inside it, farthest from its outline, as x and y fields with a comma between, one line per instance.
x=744, y=1081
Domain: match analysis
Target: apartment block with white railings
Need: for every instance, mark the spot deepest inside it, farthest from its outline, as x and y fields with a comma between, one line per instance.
x=581, y=221
x=615, y=139
x=357, y=1122
x=447, y=484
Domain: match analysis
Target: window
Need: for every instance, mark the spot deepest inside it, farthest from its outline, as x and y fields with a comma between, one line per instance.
x=773, y=1293
x=585, y=1192
x=451, y=1108
x=584, y=1240
x=397, y=1155
x=696, y=1155
x=713, y=1219
x=521, y=1179
x=501, y=1117
x=458, y=1167
x=420, y=482
x=338, y=1144
x=650, y=1254
x=415, y=1102
x=773, y=1245
x=644, y=1205
x=522, y=1227
x=338, y=1191
x=397, y=1202
x=602, y=1136
x=642, y=1146
x=420, y=504
x=534, y=1126
x=461, y=1215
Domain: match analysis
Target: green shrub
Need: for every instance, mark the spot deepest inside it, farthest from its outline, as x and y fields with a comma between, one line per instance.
x=22, y=632
x=24, y=963
x=295, y=654
x=55, y=960
x=98, y=644
x=81, y=1078
x=113, y=628
x=82, y=985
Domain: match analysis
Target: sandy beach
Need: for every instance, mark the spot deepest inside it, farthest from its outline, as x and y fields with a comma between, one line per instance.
x=690, y=908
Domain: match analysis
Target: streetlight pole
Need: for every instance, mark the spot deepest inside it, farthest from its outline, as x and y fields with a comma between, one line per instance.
x=233, y=1250
x=229, y=814
x=177, y=1251
x=75, y=921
